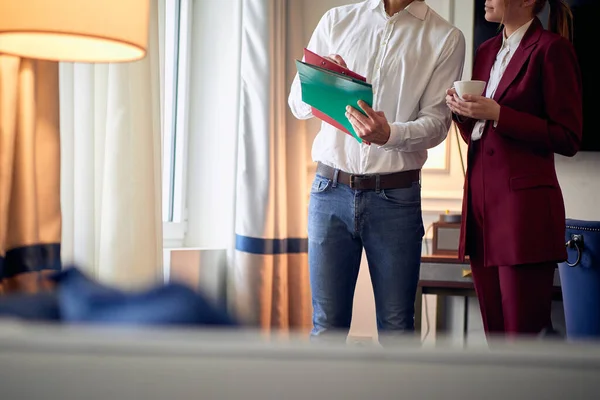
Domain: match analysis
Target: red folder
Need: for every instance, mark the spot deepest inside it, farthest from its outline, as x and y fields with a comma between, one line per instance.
x=315, y=59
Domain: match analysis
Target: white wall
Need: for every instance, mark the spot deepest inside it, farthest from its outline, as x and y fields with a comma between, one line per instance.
x=580, y=184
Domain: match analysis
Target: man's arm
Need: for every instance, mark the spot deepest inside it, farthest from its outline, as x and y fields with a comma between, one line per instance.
x=433, y=120
x=319, y=44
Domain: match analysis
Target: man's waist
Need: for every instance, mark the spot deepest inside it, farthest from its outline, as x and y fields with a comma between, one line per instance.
x=394, y=180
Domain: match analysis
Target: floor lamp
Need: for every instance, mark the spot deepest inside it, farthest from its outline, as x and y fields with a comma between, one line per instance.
x=34, y=36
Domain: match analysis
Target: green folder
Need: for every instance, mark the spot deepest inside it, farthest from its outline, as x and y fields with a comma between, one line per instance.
x=331, y=92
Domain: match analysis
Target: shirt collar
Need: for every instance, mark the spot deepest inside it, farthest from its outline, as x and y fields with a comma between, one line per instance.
x=515, y=38
x=416, y=8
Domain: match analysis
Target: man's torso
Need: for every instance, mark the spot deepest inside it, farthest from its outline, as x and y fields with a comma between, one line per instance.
x=398, y=56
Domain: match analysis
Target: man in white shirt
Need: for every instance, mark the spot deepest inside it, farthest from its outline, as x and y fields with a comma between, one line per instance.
x=369, y=195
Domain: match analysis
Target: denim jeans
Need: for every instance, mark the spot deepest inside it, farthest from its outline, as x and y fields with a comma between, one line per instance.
x=388, y=224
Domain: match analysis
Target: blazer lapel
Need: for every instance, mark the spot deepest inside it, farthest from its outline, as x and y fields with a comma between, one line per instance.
x=519, y=58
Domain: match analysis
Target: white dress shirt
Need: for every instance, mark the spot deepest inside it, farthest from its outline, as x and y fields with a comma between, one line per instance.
x=410, y=59
x=509, y=46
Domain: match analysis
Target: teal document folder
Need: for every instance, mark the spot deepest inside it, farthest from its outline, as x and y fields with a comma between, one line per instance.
x=331, y=92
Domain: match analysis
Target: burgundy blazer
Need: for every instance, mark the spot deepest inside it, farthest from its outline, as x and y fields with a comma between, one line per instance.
x=540, y=95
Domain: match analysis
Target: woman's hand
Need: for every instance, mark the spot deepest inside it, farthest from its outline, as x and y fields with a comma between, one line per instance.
x=450, y=93
x=471, y=106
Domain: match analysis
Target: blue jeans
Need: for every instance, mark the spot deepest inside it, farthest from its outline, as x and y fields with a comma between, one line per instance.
x=389, y=226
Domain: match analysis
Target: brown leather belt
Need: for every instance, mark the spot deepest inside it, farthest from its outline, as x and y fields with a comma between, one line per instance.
x=397, y=180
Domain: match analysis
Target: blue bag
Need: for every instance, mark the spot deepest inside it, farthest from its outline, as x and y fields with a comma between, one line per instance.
x=580, y=279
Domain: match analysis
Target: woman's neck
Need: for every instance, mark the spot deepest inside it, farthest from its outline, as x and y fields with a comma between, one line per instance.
x=516, y=23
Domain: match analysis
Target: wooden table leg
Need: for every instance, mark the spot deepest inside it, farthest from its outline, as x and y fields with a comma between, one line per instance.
x=418, y=310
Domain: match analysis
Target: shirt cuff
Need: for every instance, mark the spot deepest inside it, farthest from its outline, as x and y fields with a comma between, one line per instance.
x=396, y=137
x=304, y=109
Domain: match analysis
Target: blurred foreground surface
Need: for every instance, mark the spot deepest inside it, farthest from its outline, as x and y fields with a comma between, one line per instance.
x=93, y=362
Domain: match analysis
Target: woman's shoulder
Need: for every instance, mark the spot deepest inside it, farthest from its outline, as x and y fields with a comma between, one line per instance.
x=491, y=42
x=490, y=45
x=553, y=41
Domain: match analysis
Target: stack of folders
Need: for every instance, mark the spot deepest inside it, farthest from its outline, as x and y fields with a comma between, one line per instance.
x=330, y=88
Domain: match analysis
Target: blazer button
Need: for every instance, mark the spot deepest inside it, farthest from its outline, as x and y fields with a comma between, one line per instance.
x=490, y=152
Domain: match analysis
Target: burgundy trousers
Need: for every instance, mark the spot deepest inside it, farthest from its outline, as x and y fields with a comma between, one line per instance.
x=513, y=299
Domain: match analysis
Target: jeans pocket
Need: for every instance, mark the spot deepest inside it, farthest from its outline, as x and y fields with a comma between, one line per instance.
x=320, y=184
x=404, y=196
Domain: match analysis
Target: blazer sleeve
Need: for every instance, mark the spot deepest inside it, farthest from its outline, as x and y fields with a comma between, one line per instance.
x=561, y=130
x=465, y=126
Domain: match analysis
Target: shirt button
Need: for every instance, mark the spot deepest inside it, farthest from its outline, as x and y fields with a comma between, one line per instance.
x=490, y=152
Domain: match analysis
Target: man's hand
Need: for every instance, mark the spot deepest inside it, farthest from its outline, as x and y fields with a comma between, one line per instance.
x=476, y=107
x=336, y=59
x=373, y=127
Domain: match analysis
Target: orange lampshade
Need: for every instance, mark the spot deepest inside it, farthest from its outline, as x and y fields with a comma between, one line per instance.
x=75, y=30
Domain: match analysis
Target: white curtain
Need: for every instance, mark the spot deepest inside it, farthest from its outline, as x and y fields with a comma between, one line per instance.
x=111, y=167
x=270, y=277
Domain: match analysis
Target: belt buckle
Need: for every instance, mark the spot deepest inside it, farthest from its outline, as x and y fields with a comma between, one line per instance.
x=356, y=179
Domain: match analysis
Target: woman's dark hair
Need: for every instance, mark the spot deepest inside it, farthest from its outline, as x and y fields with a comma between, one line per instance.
x=560, y=19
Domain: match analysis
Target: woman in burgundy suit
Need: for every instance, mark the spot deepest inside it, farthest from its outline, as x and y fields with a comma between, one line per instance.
x=513, y=210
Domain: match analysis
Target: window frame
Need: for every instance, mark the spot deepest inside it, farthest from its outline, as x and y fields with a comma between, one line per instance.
x=175, y=136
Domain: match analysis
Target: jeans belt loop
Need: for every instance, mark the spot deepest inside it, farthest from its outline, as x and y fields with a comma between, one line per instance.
x=377, y=183
x=336, y=172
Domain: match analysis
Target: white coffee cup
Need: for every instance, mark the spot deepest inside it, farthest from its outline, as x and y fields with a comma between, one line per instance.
x=469, y=87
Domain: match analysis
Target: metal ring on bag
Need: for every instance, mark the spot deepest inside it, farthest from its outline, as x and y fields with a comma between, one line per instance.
x=575, y=241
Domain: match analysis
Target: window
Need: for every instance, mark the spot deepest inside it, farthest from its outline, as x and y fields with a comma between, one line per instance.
x=176, y=30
